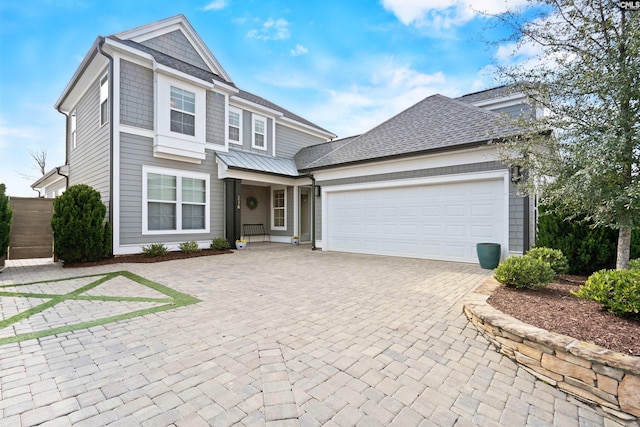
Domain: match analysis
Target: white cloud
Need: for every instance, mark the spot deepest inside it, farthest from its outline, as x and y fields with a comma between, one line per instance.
x=215, y=5
x=444, y=14
x=271, y=30
x=299, y=50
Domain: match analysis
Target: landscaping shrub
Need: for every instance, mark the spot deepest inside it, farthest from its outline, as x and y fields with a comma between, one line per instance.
x=617, y=290
x=79, y=229
x=155, y=249
x=554, y=257
x=219, y=244
x=189, y=247
x=634, y=264
x=524, y=272
x=587, y=248
x=6, y=215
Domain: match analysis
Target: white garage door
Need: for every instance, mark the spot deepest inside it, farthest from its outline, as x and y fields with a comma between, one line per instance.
x=440, y=221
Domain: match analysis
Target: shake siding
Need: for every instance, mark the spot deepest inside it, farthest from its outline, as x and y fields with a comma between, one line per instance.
x=136, y=95
x=136, y=151
x=290, y=141
x=215, y=118
x=89, y=162
x=175, y=44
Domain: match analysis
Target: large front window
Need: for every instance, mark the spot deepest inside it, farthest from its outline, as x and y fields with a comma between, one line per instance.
x=183, y=111
x=279, y=209
x=175, y=201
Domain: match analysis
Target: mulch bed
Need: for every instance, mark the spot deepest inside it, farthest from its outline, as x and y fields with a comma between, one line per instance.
x=555, y=309
x=142, y=258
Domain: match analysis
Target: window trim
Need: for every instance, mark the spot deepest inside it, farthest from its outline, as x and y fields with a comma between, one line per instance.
x=254, y=119
x=273, y=190
x=179, y=174
x=73, y=123
x=238, y=111
x=104, y=98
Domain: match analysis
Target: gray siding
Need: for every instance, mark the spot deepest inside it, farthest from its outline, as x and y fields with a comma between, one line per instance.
x=516, y=220
x=215, y=118
x=175, y=44
x=247, y=131
x=136, y=151
x=136, y=95
x=290, y=141
x=90, y=162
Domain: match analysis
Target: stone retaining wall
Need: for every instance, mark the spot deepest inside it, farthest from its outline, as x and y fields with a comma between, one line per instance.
x=587, y=371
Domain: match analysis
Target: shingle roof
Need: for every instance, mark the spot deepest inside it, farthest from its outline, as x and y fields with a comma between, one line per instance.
x=308, y=155
x=437, y=122
x=258, y=162
x=208, y=76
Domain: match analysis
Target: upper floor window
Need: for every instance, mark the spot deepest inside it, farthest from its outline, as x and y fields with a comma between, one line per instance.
x=235, y=125
x=104, y=99
x=259, y=135
x=183, y=111
x=74, y=124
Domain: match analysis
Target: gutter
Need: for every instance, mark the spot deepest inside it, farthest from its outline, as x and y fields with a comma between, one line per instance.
x=101, y=41
x=66, y=177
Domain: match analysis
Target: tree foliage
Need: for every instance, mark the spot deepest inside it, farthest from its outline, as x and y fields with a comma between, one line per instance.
x=6, y=216
x=79, y=229
x=586, y=76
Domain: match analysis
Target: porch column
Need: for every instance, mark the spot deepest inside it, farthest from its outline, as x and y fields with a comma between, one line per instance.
x=233, y=200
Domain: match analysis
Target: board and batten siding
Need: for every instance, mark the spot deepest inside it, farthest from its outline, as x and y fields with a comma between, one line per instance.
x=289, y=141
x=137, y=151
x=136, y=95
x=215, y=118
x=90, y=161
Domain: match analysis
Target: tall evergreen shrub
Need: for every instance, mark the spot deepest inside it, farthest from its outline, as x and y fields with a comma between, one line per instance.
x=79, y=229
x=6, y=216
x=587, y=248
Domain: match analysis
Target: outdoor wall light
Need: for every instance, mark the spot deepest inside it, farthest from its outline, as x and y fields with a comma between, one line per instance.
x=318, y=191
x=516, y=174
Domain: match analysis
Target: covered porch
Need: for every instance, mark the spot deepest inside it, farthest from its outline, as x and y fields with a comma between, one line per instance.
x=266, y=199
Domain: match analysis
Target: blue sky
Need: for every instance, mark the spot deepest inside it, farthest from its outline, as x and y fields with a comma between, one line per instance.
x=345, y=65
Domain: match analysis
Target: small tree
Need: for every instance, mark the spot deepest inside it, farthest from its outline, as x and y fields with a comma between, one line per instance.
x=6, y=215
x=79, y=229
x=587, y=77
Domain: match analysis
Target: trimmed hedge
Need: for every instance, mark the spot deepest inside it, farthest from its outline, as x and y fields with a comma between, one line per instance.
x=587, y=248
x=524, y=272
x=617, y=290
x=80, y=232
x=554, y=257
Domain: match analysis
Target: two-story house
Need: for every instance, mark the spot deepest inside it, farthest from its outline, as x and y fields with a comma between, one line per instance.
x=179, y=152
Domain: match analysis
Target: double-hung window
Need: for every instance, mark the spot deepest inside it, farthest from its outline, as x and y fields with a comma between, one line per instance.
x=104, y=99
x=259, y=133
x=74, y=125
x=235, y=125
x=183, y=111
x=175, y=201
x=278, y=209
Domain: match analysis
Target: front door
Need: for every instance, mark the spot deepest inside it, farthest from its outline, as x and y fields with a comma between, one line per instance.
x=305, y=214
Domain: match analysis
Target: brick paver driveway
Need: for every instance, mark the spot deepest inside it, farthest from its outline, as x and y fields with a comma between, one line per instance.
x=283, y=336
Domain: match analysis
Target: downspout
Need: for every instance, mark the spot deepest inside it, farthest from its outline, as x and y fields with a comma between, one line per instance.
x=111, y=127
x=313, y=212
x=66, y=177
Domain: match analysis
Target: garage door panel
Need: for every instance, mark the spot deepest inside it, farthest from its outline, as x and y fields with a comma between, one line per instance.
x=440, y=221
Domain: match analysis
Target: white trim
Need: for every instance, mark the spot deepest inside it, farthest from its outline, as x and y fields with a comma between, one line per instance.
x=73, y=122
x=221, y=87
x=271, y=191
x=231, y=109
x=179, y=174
x=104, y=97
x=293, y=124
x=147, y=133
x=502, y=174
x=296, y=213
x=256, y=177
x=485, y=153
x=253, y=107
x=255, y=118
x=273, y=138
x=115, y=163
x=503, y=101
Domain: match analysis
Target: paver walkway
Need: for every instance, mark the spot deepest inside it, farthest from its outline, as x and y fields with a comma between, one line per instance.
x=283, y=336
